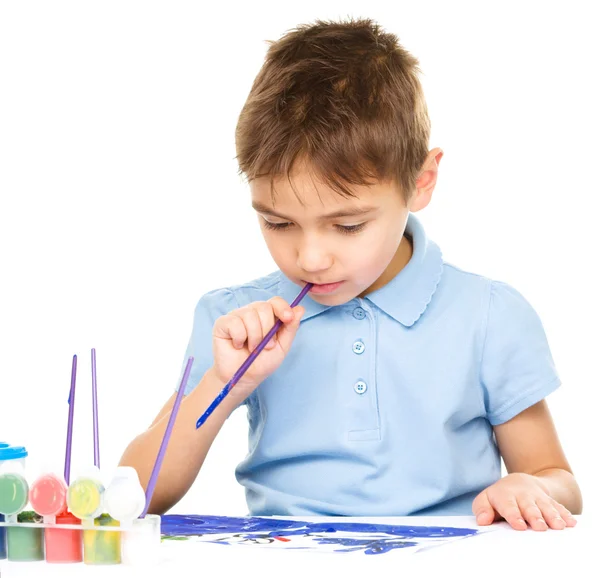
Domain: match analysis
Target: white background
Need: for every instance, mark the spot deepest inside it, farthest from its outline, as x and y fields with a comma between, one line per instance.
x=121, y=203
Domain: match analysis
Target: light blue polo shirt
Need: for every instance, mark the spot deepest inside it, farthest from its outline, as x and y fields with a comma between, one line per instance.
x=384, y=406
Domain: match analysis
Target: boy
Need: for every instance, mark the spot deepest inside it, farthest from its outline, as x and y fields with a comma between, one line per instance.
x=399, y=382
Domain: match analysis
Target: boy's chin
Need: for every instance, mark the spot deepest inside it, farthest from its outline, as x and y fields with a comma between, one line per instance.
x=333, y=299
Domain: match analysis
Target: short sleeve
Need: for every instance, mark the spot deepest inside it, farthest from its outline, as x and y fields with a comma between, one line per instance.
x=209, y=308
x=517, y=369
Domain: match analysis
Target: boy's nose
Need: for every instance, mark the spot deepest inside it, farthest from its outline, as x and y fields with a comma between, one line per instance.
x=313, y=258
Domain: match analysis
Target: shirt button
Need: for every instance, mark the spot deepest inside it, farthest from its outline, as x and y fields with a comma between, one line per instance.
x=359, y=313
x=360, y=387
x=358, y=347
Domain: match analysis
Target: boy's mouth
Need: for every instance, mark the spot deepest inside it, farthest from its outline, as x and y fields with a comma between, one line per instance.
x=325, y=287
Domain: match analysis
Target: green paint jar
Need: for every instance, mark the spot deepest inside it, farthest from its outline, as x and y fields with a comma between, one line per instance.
x=25, y=544
x=100, y=546
x=14, y=493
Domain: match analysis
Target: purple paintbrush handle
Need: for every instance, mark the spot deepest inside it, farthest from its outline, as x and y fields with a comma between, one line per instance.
x=70, y=421
x=165, y=441
x=244, y=367
x=95, y=411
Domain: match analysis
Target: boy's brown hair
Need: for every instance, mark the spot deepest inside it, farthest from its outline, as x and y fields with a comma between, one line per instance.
x=344, y=97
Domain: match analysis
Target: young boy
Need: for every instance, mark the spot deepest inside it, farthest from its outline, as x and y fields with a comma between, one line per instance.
x=400, y=381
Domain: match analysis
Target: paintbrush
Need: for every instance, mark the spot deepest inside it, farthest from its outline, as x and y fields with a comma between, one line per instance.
x=95, y=411
x=70, y=421
x=167, y=435
x=244, y=367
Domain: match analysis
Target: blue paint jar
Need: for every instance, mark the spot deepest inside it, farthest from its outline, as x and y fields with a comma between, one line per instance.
x=2, y=530
x=8, y=453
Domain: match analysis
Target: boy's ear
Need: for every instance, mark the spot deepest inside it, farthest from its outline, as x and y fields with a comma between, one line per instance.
x=426, y=181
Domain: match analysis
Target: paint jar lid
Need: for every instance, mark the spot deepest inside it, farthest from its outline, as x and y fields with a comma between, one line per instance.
x=89, y=472
x=126, y=473
x=12, y=453
x=125, y=498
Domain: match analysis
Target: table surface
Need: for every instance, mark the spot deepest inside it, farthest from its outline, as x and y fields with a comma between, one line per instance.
x=501, y=552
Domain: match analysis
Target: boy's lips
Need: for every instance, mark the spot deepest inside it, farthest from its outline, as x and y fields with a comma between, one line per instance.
x=321, y=288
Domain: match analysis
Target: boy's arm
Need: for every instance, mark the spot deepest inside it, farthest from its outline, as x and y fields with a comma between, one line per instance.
x=529, y=444
x=540, y=489
x=187, y=447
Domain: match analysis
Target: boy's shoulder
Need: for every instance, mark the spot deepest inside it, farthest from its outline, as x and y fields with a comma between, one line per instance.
x=462, y=279
x=259, y=289
x=497, y=303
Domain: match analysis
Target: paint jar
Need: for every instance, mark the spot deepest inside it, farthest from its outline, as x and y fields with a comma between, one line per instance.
x=2, y=529
x=12, y=457
x=141, y=542
x=100, y=546
x=48, y=497
x=14, y=492
x=125, y=499
x=9, y=454
x=25, y=544
x=2, y=539
x=85, y=495
x=64, y=546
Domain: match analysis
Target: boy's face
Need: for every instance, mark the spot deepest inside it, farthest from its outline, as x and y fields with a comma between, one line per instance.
x=346, y=246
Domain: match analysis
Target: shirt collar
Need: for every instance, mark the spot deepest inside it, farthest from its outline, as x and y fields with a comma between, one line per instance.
x=406, y=296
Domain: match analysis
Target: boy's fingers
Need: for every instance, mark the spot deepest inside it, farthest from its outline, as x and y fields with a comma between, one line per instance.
x=254, y=326
x=533, y=515
x=287, y=333
x=510, y=511
x=233, y=328
x=483, y=510
x=282, y=309
x=551, y=515
x=266, y=315
x=565, y=514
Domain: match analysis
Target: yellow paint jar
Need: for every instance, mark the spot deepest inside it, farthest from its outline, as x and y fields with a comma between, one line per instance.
x=100, y=546
x=84, y=498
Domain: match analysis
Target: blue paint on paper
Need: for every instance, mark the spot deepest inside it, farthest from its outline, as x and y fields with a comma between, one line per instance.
x=378, y=538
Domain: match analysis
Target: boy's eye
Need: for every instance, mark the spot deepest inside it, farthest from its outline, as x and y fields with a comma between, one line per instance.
x=345, y=229
x=349, y=229
x=276, y=226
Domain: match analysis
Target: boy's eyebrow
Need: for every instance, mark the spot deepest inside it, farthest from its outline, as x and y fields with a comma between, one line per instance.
x=350, y=212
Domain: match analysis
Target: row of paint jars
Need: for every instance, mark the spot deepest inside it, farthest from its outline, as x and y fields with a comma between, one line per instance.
x=85, y=503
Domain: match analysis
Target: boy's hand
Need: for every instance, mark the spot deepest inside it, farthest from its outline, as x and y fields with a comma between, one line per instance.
x=238, y=333
x=521, y=499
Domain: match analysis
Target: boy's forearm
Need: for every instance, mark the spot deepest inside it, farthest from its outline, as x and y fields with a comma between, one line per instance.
x=187, y=447
x=563, y=488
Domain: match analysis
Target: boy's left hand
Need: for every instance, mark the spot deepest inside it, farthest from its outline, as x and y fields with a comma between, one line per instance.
x=521, y=499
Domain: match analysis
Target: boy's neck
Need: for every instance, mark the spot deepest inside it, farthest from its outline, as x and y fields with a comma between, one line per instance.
x=399, y=261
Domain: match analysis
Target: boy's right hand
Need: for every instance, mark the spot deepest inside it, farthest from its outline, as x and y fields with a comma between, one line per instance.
x=238, y=333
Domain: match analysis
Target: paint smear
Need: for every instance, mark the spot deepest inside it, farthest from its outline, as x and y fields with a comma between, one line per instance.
x=337, y=536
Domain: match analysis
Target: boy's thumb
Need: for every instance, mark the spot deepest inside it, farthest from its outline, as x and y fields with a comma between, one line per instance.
x=288, y=331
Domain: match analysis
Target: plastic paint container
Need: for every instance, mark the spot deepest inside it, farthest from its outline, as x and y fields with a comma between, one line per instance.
x=25, y=544
x=48, y=497
x=141, y=544
x=9, y=455
x=14, y=493
x=125, y=499
x=64, y=546
x=2, y=539
x=85, y=495
x=102, y=547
